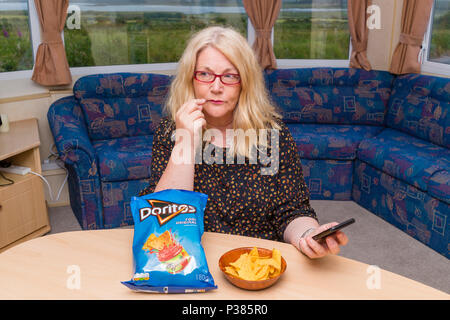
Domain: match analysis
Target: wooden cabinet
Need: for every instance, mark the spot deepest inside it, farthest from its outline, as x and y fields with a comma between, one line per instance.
x=23, y=211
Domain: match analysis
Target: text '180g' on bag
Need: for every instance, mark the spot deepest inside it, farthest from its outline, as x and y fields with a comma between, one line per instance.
x=167, y=250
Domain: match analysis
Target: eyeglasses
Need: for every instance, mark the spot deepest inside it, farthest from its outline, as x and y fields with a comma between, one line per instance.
x=208, y=77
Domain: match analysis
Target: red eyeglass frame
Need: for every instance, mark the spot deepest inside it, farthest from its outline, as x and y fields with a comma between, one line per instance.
x=219, y=76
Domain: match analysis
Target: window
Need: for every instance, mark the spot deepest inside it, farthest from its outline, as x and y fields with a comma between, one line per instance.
x=314, y=29
x=120, y=35
x=439, y=45
x=15, y=42
x=436, y=45
x=141, y=32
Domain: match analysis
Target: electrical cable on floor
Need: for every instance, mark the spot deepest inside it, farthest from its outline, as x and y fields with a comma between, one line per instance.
x=62, y=186
x=48, y=185
x=52, y=153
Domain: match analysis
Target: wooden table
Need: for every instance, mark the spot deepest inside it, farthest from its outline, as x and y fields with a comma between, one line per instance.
x=45, y=267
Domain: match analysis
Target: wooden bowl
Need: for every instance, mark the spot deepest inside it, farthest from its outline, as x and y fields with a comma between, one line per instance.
x=234, y=254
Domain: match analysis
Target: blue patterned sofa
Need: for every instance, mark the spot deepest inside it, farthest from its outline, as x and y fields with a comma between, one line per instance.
x=403, y=174
x=329, y=111
x=104, y=134
x=380, y=140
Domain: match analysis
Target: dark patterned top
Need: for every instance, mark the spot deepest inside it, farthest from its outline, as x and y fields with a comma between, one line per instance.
x=240, y=199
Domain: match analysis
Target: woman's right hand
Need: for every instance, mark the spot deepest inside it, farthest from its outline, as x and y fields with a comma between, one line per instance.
x=190, y=117
x=180, y=169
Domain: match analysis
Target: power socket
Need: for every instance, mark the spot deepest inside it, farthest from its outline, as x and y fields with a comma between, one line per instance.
x=16, y=170
x=49, y=165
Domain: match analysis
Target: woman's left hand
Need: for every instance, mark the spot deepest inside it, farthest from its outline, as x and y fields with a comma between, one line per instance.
x=330, y=245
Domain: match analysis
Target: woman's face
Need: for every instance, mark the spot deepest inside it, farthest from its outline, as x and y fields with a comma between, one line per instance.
x=221, y=99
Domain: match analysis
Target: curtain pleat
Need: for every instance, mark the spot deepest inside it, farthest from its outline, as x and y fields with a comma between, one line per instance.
x=357, y=17
x=263, y=14
x=51, y=67
x=415, y=17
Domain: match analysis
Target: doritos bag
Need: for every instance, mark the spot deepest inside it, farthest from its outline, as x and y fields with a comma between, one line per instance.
x=167, y=250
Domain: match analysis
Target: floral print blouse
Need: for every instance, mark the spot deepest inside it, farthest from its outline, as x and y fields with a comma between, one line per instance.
x=242, y=200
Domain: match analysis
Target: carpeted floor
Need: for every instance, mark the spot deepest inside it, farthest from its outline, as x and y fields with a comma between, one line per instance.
x=372, y=241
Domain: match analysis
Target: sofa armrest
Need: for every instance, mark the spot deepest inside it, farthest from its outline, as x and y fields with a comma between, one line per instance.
x=74, y=146
x=69, y=130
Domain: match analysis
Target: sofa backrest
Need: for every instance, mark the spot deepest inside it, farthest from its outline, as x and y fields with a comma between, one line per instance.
x=121, y=104
x=420, y=106
x=330, y=95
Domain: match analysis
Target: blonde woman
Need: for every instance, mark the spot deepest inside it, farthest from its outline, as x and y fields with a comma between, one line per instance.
x=223, y=137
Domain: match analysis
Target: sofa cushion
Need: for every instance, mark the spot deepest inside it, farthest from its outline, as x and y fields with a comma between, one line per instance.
x=116, y=198
x=420, y=105
x=439, y=186
x=328, y=179
x=404, y=206
x=330, y=95
x=121, y=104
x=333, y=142
x=126, y=158
x=404, y=157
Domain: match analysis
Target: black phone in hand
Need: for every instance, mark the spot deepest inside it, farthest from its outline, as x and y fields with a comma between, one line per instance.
x=332, y=230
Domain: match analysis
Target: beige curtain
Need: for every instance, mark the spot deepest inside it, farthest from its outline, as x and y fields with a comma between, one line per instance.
x=51, y=67
x=263, y=14
x=415, y=16
x=357, y=17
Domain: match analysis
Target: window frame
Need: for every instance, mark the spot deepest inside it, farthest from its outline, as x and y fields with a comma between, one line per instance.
x=426, y=65
x=35, y=33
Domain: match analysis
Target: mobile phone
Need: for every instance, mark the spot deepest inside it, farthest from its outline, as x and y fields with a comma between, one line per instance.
x=332, y=230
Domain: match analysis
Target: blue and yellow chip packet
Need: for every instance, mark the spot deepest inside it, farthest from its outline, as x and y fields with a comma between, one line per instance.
x=167, y=250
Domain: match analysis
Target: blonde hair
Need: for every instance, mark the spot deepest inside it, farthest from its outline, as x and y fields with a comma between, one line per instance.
x=254, y=110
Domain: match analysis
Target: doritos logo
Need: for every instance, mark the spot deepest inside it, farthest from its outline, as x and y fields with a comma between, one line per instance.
x=164, y=211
